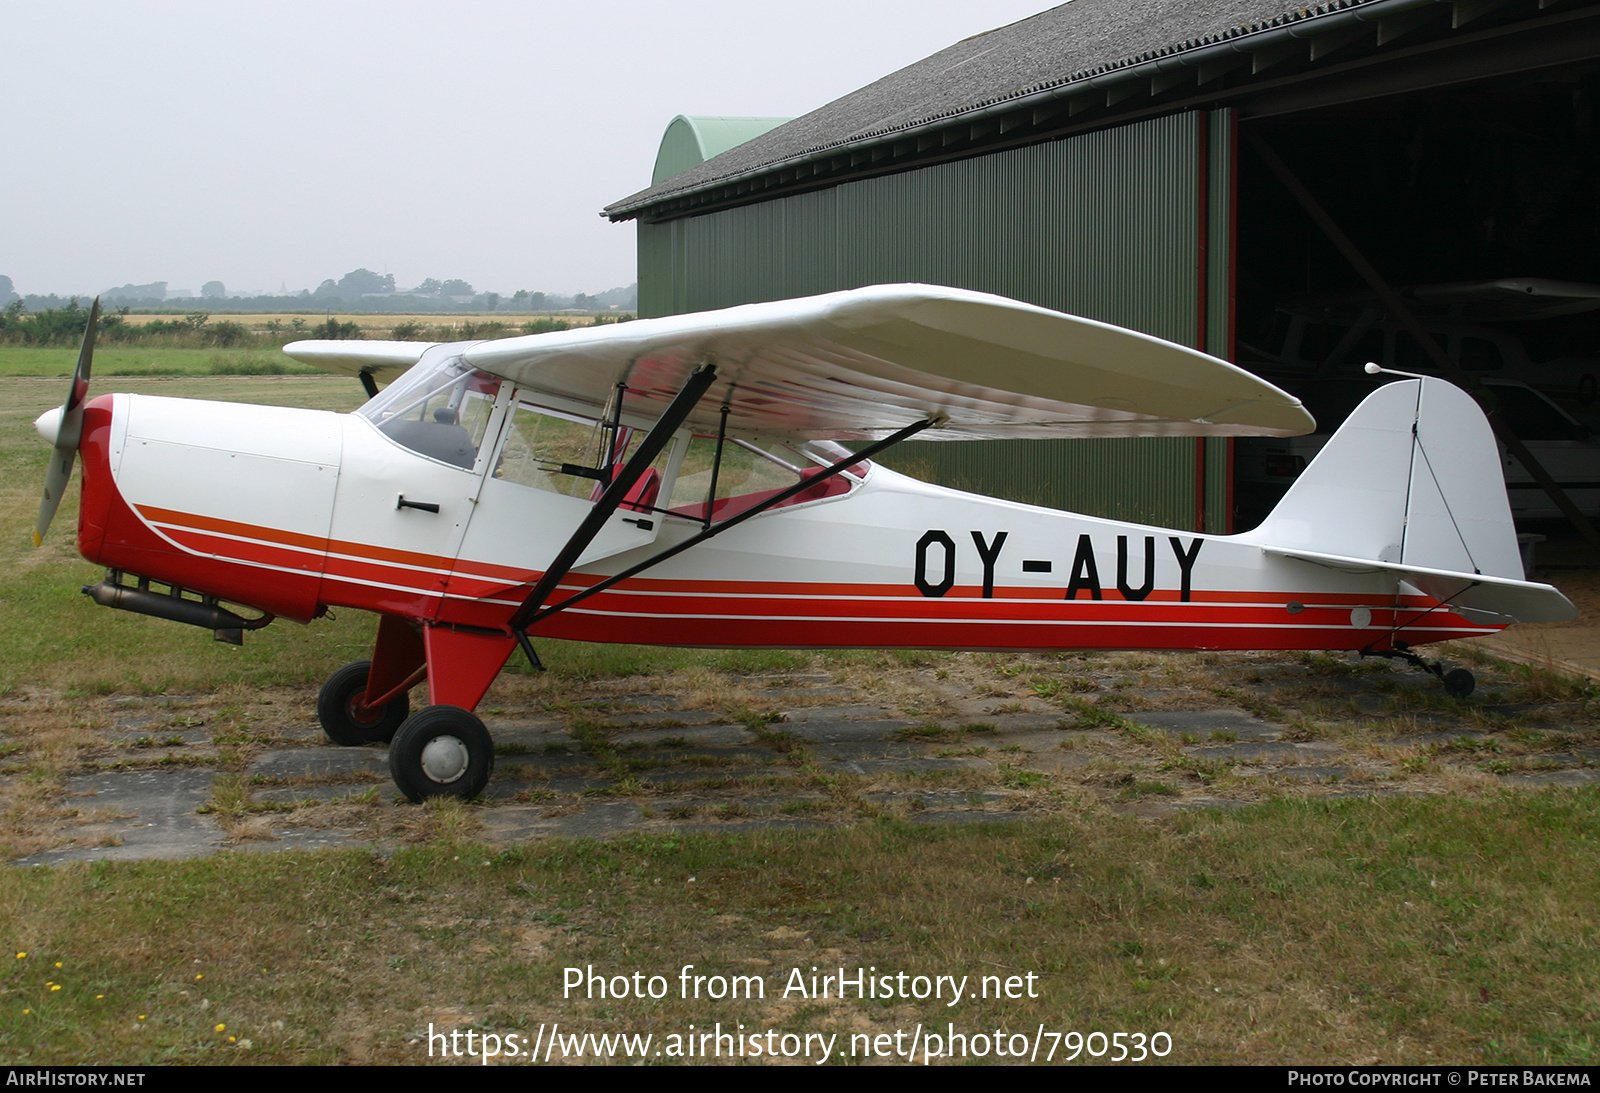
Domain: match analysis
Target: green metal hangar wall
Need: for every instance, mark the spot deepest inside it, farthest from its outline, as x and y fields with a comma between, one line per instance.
x=1099, y=159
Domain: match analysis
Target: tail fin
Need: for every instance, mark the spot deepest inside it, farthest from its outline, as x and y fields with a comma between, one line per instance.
x=1411, y=483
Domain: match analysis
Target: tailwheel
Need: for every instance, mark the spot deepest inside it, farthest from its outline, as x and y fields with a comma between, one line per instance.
x=345, y=717
x=1459, y=683
x=442, y=751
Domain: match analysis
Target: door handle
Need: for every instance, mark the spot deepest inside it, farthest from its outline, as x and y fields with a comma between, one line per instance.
x=425, y=506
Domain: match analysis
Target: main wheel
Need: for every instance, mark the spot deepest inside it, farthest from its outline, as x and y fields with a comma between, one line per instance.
x=442, y=751
x=347, y=722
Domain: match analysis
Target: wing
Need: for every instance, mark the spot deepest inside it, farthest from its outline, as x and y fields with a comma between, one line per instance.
x=862, y=364
x=383, y=361
x=1507, y=300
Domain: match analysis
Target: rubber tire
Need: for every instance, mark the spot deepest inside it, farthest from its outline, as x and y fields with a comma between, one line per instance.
x=1459, y=683
x=426, y=726
x=336, y=710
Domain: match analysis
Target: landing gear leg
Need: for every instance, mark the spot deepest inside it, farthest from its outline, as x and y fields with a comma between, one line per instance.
x=1458, y=682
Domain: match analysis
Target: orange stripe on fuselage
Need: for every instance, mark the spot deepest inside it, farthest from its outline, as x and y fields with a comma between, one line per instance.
x=364, y=551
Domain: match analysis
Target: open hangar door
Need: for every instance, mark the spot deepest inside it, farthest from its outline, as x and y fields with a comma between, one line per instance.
x=1479, y=204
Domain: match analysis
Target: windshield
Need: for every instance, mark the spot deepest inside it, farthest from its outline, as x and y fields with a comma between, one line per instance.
x=440, y=408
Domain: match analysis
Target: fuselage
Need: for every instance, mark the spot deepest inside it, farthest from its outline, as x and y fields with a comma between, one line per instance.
x=295, y=511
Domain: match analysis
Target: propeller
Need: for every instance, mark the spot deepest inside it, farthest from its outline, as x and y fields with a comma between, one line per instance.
x=63, y=427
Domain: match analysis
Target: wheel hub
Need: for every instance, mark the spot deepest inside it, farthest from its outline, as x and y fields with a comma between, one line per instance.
x=445, y=759
x=357, y=710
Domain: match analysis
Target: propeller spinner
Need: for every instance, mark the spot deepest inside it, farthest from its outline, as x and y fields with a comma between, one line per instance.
x=63, y=427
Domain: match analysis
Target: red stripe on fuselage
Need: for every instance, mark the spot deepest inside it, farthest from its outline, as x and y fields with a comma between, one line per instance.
x=873, y=634
x=779, y=613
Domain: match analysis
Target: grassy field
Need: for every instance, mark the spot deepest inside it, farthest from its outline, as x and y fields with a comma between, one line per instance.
x=115, y=362
x=1400, y=931
x=1396, y=929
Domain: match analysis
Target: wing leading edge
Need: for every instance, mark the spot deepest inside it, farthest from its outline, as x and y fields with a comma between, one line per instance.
x=864, y=363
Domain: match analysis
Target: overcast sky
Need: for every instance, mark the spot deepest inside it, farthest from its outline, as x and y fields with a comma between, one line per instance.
x=277, y=144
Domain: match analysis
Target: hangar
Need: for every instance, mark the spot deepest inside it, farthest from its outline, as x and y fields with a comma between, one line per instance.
x=1112, y=158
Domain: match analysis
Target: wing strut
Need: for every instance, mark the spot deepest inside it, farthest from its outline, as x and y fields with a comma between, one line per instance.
x=716, y=460
x=615, y=425
x=650, y=447
x=526, y=616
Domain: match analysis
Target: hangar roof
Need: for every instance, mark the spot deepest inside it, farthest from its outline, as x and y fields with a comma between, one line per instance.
x=1090, y=63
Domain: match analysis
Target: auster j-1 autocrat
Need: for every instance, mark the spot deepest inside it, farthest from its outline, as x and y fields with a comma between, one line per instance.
x=686, y=481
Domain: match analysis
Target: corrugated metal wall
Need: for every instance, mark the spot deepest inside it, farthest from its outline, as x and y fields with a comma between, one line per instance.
x=1221, y=186
x=1106, y=225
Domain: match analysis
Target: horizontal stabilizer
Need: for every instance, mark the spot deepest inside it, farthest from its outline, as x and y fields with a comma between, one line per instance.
x=1506, y=599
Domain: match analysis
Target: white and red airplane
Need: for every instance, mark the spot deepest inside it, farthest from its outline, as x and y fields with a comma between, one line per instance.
x=683, y=481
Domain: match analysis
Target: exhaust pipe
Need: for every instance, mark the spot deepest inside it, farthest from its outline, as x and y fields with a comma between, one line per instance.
x=172, y=604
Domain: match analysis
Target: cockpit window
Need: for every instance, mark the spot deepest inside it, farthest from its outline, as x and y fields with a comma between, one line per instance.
x=752, y=472
x=565, y=453
x=440, y=408
x=553, y=451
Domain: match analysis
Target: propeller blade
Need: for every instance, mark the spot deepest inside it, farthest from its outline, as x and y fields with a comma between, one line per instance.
x=68, y=431
x=55, y=484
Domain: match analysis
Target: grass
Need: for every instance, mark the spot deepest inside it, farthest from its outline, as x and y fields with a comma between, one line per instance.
x=117, y=362
x=1395, y=931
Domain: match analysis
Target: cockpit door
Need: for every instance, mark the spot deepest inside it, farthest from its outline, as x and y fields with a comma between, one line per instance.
x=415, y=458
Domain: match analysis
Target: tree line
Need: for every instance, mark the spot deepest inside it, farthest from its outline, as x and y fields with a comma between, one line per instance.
x=64, y=326
x=359, y=290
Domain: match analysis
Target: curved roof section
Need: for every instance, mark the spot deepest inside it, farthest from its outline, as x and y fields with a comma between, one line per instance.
x=690, y=141
x=1090, y=60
